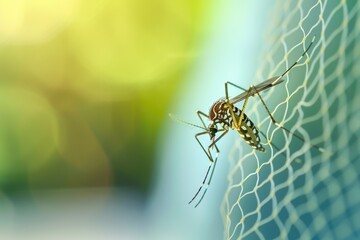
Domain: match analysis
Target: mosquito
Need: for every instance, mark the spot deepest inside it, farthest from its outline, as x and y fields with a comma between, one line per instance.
x=223, y=115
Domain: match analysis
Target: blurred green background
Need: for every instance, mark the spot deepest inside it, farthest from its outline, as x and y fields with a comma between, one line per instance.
x=87, y=150
x=86, y=86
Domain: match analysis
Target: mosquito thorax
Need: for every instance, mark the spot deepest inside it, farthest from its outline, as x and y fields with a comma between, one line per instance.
x=216, y=109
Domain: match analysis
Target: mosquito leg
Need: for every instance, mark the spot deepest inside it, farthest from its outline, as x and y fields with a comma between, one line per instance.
x=225, y=131
x=203, y=182
x=320, y=149
x=267, y=83
x=276, y=147
x=200, y=113
x=294, y=64
x=207, y=172
x=208, y=183
x=244, y=105
x=208, y=154
x=211, y=163
x=212, y=171
x=234, y=85
x=229, y=105
x=237, y=124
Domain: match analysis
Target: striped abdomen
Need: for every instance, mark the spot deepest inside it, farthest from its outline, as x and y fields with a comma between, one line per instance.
x=220, y=113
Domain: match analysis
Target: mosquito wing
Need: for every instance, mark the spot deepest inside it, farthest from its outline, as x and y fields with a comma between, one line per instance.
x=260, y=87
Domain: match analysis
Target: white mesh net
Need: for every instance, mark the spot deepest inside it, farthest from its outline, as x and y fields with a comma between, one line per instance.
x=293, y=190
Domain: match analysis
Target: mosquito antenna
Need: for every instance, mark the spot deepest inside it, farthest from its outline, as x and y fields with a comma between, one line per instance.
x=173, y=117
x=297, y=61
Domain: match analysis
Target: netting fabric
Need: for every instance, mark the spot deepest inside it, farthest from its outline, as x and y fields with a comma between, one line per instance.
x=293, y=190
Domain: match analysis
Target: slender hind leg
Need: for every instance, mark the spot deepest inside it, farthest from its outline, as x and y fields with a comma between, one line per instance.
x=200, y=113
x=320, y=149
x=212, y=163
x=227, y=101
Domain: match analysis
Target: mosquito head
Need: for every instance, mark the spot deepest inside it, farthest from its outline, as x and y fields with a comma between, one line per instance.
x=212, y=131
